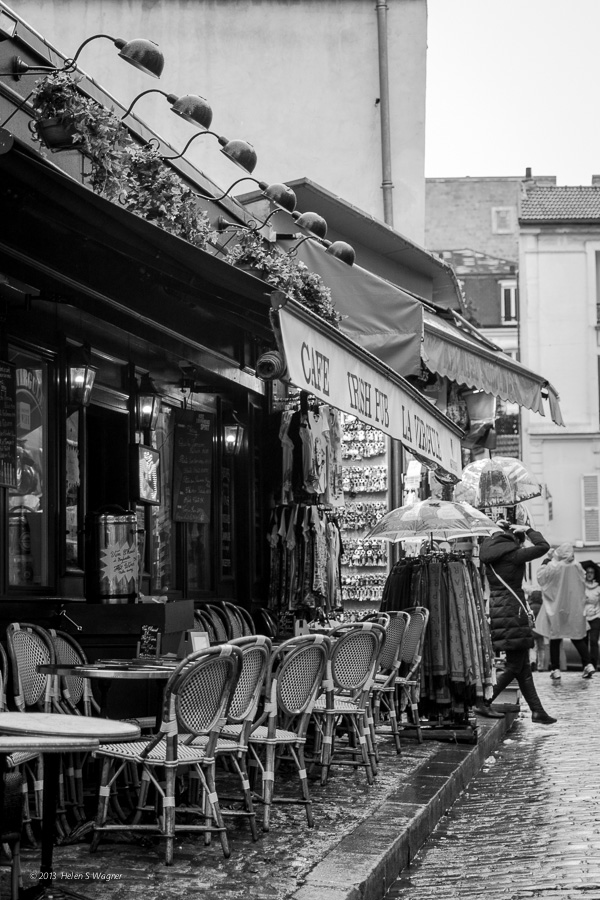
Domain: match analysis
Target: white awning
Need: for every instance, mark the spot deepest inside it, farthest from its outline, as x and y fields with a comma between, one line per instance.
x=326, y=363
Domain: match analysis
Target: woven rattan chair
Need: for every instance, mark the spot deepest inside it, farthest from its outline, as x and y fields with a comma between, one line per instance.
x=220, y=622
x=75, y=693
x=22, y=762
x=204, y=621
x=196, y=702
x=343, y=707
x=235, y=622
x=243, y=617
x=383, y=690
x=232, y=744
x=11, y=824
x=28, y=647
x=409, y=675
x=293, y=683
x=266, y=624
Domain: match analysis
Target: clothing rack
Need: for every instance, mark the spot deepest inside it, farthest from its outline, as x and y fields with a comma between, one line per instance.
x=458, y=659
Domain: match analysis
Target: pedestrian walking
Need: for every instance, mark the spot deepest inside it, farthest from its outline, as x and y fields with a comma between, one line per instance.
x=539, y=664
x=505, y=554
x=562, y=615
x=592, y=613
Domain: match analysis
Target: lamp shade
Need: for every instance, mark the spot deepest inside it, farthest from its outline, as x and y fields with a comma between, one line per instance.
x=80, y=376
x=311, y=224
x=240, y=152
x=281, y=195
x=144, y=55
x=147, y=404
x=342, y=251
x=192, y=108
x=233, y=433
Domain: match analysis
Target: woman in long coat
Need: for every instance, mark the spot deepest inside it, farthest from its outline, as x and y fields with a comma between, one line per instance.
x=562, y=615
x=505, y=555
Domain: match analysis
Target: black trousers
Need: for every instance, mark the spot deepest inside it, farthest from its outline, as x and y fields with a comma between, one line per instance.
x=580, y=644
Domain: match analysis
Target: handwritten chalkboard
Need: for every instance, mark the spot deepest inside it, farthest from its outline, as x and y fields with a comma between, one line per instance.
x=8, y=426
x=192, y=466
x=149, y=643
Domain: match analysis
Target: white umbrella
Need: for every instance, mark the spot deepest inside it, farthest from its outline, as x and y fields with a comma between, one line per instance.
x=437, y=519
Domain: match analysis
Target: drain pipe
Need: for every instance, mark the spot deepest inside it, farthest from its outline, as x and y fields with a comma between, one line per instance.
x=384, y=107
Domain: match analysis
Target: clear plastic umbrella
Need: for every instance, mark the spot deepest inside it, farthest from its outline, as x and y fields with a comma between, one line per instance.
x=500, y=481
x=436, y=519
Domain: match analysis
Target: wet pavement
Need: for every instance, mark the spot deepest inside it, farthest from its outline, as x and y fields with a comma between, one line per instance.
x=543, y=780
x=528, y=826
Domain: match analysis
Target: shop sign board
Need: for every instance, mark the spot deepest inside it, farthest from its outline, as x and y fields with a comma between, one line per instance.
x=192, y=467
x=351, y=383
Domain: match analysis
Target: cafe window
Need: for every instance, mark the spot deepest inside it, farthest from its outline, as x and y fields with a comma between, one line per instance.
x=28, y=506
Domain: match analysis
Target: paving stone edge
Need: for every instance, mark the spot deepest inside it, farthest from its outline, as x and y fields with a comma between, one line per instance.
x=366, y=862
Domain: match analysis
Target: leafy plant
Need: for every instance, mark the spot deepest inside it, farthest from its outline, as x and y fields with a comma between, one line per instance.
x=155, y=192
x=285, y=273
x=96, y=131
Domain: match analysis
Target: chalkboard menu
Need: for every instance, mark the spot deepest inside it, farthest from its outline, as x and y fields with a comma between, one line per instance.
x=8, y=426
x=192, y=466
x=149, y=643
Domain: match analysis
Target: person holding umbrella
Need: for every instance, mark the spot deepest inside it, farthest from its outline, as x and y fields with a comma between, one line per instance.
x=504, y=554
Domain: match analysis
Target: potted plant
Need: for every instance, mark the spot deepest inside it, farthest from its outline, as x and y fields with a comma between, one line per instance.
x=69, y=120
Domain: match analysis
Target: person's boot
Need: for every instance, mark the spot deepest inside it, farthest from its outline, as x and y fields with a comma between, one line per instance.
x=538, y=713
x=504, y=679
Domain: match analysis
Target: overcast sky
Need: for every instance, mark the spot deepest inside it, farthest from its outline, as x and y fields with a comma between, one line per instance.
x=512, y=84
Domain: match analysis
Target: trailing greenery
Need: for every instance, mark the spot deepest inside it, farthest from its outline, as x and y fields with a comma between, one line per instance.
x=285, y=273
x=123, y=171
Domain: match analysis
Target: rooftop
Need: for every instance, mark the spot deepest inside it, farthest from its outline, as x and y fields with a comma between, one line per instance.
x=551, y=204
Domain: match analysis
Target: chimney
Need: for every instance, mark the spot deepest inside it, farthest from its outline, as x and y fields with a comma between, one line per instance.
x=528, y=173
x=595, y=180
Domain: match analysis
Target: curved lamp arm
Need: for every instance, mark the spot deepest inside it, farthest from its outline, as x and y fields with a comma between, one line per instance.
x=141, y=53
x=193, y=138
x=262, y=185
x=143, y=94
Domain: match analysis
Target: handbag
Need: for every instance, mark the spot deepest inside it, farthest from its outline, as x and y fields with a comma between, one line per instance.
x=525, y=606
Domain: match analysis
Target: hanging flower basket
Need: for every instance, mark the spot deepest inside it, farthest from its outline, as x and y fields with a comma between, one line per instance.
x=57, y=133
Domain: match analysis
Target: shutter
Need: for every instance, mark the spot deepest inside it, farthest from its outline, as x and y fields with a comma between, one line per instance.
x=591, y=508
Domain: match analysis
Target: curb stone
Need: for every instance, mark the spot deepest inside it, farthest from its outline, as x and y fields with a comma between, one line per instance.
x=366, y=862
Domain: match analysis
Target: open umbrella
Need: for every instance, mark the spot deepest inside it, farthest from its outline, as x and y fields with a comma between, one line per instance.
x=499, y=481
x=437, y=519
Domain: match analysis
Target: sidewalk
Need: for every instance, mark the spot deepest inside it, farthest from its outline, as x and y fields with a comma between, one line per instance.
x=361, y=840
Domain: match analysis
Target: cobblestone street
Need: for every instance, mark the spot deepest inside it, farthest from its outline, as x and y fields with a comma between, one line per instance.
x=529, y=824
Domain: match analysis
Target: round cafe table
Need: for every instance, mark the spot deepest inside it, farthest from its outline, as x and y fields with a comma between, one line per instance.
x=51, y=734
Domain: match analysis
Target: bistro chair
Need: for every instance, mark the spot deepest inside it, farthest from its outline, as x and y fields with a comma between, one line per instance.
x=204, y=621
x=232, y=743
x=409, y=675
x=11, y=825
x=74, y=692
x=383, y=689
x=196, y=702
x=266, y=624
x=220, y=622
x=293, y=683
x=343, y=706
x=28, y=647
x=243, y=619
x=19, y=761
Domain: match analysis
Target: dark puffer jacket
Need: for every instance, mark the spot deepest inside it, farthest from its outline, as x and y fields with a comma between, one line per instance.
x=508, y=620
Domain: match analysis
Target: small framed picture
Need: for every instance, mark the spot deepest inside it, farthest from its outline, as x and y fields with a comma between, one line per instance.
x=146, y=474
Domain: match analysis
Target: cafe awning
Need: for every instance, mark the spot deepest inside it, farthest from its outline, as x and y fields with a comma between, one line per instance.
x=329, y=365
x=466, y=358
x=380, y=316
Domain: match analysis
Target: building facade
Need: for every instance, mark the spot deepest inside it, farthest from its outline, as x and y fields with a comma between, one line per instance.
x=321, y=89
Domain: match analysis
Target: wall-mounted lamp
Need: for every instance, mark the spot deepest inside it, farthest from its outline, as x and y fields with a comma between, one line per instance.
x=80, y=376
x=233, y=433
x=240, y=152
x=147, y=404
x=279, y=194
x=190, y=107
x=342, y=251
x=311, y=224
x=142, y=54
